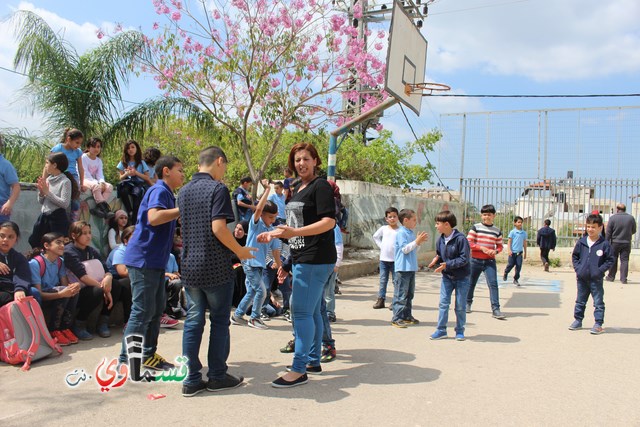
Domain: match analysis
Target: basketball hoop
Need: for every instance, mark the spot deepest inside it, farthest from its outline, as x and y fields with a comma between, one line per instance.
x=420, y=88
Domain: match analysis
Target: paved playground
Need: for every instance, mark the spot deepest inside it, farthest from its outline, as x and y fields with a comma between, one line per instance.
x=526, y=370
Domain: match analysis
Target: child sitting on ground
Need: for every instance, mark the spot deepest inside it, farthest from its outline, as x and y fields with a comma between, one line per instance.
x=15, y=275
x=59, y=297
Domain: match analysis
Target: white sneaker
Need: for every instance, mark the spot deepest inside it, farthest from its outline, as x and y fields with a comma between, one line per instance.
x=257, y=324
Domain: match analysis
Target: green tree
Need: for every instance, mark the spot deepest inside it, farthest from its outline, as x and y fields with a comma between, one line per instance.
x=84, y=91
x=381, y=161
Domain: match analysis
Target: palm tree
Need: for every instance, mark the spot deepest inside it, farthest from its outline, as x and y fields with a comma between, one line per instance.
x=84, y=91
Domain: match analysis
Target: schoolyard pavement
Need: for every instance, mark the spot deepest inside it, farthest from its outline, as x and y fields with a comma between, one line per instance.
x=526, y=370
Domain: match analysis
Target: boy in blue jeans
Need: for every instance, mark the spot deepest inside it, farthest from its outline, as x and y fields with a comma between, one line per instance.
x=452, y=257
x=592, y=257
x=517, y=250
x=260, y=222
x=146, y=256
x=406, y=265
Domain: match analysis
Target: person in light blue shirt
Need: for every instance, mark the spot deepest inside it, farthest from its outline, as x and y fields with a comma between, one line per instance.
x=280, y=200
x=517, y=249
x=9, y=187
x=261, y=221
x=406, y=265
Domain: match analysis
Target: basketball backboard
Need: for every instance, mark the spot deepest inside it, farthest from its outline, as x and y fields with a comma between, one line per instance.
x=406, y=58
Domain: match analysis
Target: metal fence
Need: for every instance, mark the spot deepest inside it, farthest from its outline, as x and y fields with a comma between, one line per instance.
x=566, y=202
x=538, y=144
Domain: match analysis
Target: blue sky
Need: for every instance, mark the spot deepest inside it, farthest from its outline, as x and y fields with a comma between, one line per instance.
x=475, y=46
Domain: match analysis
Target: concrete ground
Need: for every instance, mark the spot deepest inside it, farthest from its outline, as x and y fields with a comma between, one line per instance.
x=526, y=370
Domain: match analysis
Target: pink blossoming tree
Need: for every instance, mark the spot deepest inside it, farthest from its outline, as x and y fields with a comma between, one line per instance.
x=259, y=67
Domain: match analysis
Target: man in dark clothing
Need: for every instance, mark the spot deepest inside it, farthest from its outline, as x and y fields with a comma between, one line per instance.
x=620, y=228
x=546, y=241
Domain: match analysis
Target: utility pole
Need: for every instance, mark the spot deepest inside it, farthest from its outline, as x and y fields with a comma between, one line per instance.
x=372, y=11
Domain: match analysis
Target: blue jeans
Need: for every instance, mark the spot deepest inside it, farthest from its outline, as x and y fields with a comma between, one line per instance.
x=447, y=287
x=217, y=300
x=308, y=287
x=489, y=268
x=515, y=259
x=403, y=292
x=330, y=293
x=269, y=276
x=255, y=292
x=149, y=300
x=329, y=288
x=595, y=289
x=386, y=267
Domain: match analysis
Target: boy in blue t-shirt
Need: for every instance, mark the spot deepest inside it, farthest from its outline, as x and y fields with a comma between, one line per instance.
x=406, y=265
x=517, y=249
x=261, y=221
x=146, y=256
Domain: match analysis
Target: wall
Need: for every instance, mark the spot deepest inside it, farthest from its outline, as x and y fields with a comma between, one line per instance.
x=27, y=210
x=366, y=214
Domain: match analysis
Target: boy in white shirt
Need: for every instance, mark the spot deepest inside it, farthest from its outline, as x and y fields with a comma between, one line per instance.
x=385, y=238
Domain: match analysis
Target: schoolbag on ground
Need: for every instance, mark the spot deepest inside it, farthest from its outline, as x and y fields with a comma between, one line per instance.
x=24, y=333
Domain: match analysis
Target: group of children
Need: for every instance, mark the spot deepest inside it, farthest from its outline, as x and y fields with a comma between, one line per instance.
x=462, y=259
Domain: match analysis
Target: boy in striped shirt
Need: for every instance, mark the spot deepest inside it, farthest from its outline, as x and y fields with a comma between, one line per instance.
x=485, y=241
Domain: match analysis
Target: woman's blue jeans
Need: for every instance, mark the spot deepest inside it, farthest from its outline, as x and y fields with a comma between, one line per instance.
x=306, y=297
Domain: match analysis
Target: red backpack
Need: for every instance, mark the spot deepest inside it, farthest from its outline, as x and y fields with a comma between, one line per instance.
x=24, y=333
x=43, y=266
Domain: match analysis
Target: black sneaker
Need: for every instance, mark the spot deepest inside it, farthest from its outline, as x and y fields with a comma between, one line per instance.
x=282, y=383
x=158, y=363
x=192, y=390
x=314, y=370
x=331, y=317
x=497, y=314
x=515, y=282
x=468, y=310
x=504, y=278
x=228, y=382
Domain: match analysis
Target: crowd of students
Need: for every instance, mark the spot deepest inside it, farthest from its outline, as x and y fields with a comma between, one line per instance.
x=285, y=250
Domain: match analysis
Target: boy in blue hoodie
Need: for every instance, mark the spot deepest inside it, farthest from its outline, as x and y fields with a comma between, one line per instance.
x=452, y=258
x=591, y=257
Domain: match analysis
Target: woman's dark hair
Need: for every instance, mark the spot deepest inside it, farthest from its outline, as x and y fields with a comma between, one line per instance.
x=72, y=134
x=125, y=156
x=299, y=147
x=62, y=164
x=92, y=142
x=47, y=238
x=12, y=225
x=75, y=229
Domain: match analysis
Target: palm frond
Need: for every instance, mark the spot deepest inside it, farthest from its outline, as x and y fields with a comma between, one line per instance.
x=157, y=113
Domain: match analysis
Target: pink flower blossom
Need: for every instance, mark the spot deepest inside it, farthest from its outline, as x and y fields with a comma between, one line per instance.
x=155, y=25
x=216, y=14
x=176, y=15
x=275, y=82
x=99, y=34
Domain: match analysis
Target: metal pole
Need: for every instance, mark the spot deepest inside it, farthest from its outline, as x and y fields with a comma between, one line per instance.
x=333, y=141
x=464, y=134
x=546, y=141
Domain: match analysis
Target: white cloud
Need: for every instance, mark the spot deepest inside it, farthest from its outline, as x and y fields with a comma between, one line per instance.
x=544, y=40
